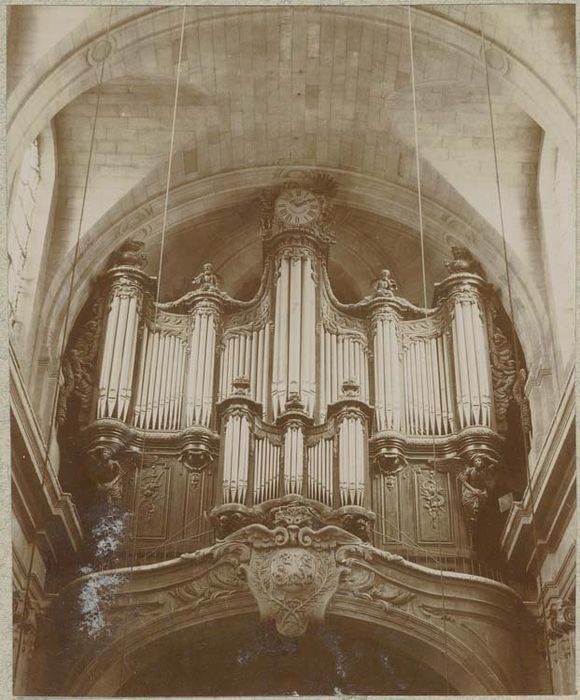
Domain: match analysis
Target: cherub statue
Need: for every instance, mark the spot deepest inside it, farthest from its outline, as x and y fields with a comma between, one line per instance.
x=385, y=285
x=207, y=279
x=462, y=261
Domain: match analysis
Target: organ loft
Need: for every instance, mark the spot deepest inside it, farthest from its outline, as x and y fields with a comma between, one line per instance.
x=201, y=414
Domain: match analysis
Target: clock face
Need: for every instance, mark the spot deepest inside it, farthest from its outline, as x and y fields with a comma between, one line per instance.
x=297, y=206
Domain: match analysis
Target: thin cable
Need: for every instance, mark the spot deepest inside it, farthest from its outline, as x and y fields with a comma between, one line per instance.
x=424, y=276
x=50, y=432
x=155, y=315
x=515, y=349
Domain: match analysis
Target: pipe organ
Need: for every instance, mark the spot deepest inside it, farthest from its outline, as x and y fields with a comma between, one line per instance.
x=295, y=393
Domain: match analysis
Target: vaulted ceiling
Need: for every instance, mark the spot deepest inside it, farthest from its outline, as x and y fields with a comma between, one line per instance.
x=265, y=92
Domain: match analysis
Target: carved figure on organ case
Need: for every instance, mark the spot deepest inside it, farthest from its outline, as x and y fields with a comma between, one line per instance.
x=463, y=261
x=78, y=364
x=473, y=493
x=207, y=280
x=130, y=253
x=108, y=474
x=385, y=285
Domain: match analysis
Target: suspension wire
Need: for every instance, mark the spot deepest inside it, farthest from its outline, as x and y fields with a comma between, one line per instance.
x=155, y=315
x=50, y=432
x=424, y=277
x=516, y=354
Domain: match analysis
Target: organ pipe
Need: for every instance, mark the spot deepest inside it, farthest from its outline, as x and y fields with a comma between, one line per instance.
x=236, y=460
x=471, y=357
x=200, y=377
x=120, y=345
x=388, y=399
x=293, y=458
x=266, y=470
x=351, y=458
x=294, y=333
x=236, y=347
x=160, y=381
x=429, y=408
x=320, y=471
x=342, y=358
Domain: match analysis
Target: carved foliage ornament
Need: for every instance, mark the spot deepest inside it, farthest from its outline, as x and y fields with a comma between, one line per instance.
x=433, y=499
x=340, y=323
x=504, y=378
x=78, y=364
x=252, y=319
x=366, y=583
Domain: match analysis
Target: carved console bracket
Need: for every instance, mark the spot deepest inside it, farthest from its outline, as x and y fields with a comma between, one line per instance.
x=293, y=562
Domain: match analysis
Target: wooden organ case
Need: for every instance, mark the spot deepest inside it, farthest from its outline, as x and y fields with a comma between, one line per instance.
x=390, y=418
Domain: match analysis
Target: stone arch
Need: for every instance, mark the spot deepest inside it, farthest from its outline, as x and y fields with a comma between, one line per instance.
x=469, y=673
x=465, y=624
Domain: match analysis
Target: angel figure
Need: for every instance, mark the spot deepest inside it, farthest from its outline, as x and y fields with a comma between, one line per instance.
x=207, y=279
x=385, y=285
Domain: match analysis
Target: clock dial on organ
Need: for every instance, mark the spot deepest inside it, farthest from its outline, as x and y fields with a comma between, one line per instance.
x=297, y=206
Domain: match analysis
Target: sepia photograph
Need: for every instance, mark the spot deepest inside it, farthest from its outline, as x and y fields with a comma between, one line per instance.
x=291, y=349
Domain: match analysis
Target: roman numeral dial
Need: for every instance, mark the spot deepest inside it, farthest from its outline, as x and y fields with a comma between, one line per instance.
x=297, y=207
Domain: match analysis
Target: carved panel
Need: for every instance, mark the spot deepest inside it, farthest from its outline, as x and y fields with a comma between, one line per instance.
x=198, y=500
x=432, y=494
x=153, y=498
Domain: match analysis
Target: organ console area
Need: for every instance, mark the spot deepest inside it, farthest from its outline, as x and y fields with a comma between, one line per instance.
x=195, y=412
